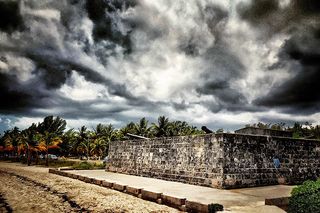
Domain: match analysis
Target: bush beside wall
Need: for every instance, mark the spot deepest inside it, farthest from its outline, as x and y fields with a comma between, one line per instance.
x=305, y=198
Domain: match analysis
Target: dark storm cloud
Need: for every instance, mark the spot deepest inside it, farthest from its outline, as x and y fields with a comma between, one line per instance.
x=301, y=21
x=222, y=91
x=102, y=13
x=53, y=66
x=55, y=70
x=258, y=10
x=20, y=98
x=12, y=99
x=270, y=15
x=10, y=17
x=222, y=68
x=301, y=91
x=73, y=109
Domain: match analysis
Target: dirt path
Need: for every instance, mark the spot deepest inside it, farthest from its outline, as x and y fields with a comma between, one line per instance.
x=33, y=189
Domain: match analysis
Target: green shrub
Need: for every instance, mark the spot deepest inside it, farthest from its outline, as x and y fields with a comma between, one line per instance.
x=84, y=165
x=305, y=198
x=99, y=165
x=214, y=207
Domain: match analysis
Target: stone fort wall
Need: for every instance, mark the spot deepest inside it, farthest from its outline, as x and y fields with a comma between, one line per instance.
x=220, y=161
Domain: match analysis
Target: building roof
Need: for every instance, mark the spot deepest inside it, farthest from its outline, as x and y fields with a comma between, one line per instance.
x=252, y=127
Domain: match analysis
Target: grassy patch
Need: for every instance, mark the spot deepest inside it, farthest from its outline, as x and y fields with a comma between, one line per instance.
x=84, y=165
x=62, y=162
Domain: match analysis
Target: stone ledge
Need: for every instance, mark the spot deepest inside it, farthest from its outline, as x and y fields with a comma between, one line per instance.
x=70, y=175
x=192, y=206
x=174, y=202
x=119, y=187
x=63, y=173
x=74, y=176
x=97, y=182
x=151, y=196
x=88, y=180
x=106, y=184
x=81, y=178
x=133, y=191
x=281, y=202
x=53, y=171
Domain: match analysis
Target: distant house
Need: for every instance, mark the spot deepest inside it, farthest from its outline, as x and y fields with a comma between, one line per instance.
x=261, y=131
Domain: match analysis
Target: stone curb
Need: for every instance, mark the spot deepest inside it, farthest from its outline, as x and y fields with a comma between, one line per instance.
x=81, y=178
x=178, y=203
x=107, y=184
x=97, y=182
x=151, y=196
x=119, y=187
x=181, y=204
x=133, y=191
x=192, y=206
x=278, y=201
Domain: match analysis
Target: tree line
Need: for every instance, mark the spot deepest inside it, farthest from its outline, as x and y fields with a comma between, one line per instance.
x=50, y=135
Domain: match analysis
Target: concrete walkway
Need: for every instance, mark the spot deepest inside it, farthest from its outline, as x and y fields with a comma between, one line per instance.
x=239, y=200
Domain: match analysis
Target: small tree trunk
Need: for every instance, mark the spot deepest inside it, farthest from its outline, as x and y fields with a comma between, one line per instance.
x=27, y=153
x=28, y=156
x=37, y=158
x=87, y=154
x=47, y=156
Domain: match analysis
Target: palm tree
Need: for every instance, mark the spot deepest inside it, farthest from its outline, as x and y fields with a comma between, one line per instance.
x=69, y=141
x=29, y=140
x=162, y=129
x=11, y=140
x=84, y=141
x=104, y=134
x=99, y=146
x=129, y=128
x=142, y=128
x=178, y=128
x=51, y=129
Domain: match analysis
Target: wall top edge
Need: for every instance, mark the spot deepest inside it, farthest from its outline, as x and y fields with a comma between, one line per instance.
x=217, y=135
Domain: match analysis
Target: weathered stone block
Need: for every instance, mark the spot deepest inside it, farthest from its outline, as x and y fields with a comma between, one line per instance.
x=87, y=180
x=53, y=171
x=133, y=191
x=196, y=207
x=119, y=187
x=74, y=176
x=62, y=173
x=173, y=201
x=81, y=178
x=280, y=201
x=97, y=182
x=152, y=196
x=106, y=184
x=70, y=175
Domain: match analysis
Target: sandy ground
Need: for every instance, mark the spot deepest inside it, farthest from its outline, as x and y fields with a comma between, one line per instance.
x=33, y=189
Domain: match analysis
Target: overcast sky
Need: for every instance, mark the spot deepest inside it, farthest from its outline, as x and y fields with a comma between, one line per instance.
x=218, y=63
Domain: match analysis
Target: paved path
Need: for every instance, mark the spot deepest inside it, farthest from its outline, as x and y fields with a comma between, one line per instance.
x=239, y=200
